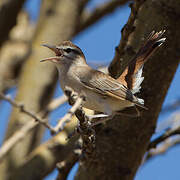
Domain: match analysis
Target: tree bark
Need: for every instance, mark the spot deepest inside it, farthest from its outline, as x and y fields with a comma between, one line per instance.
x=122, y=142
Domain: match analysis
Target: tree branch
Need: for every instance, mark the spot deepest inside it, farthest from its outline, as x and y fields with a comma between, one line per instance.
x=62, y=122
x=20, y=134
x=163, y=137
x=64, y=167
x=56, y=103
x=54, y=145
x=27, y=112
x=8, y=20
x=44, y=158
x=127, y=138
x=20, y=47
x=118, y=64
x=161, y=149
x=16, y=137
x=90, y=18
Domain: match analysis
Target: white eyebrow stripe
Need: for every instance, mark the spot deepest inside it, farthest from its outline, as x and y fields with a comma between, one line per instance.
x=74, y=50
x=66, y=47
x=60, y=47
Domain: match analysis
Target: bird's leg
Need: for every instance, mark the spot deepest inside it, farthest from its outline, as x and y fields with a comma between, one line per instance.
x=101, y=119
x=137, y=111
x=97, y=118
x=90, y=117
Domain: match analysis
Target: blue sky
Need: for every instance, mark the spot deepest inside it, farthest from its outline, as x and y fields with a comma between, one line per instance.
x=98, y=44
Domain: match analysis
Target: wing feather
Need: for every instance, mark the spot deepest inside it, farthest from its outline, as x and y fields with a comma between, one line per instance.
x=107, y=86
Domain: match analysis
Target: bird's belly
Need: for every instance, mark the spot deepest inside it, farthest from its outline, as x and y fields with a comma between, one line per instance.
x=105, y=104
x=118, y=105
x=96, y=101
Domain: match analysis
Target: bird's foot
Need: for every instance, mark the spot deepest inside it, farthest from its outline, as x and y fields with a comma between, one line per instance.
x=98, y=118
x=101, y=118
x=94, y=116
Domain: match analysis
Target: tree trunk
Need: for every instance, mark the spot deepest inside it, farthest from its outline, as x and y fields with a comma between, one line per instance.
x=122, y=142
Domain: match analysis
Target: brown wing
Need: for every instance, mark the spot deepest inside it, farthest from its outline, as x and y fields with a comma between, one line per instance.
x=107, y=86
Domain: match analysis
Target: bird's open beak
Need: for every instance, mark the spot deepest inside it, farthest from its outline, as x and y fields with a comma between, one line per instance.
x=53, y=59
x=54, y=49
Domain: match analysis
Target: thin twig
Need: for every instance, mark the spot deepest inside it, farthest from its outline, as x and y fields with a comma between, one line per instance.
x=161, y=149
x=100, y=11
x=21, y=133
x=68, y=116
x=16, y=137
x=27, y=112
x=53, y=105
x=163, y=137
x=56, y=103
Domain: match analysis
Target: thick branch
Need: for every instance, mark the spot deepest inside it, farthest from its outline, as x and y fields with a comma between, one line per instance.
x=118, y=64
x=20, y=48
x=16, y=137
x=122, y=142
x=44, y=158
x=8, y=14
x=64, y=167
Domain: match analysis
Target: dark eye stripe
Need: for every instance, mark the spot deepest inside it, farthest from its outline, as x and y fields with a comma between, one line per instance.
x=68, y=50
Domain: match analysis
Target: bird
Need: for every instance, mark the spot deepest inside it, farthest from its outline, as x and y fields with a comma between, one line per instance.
x=102, y=92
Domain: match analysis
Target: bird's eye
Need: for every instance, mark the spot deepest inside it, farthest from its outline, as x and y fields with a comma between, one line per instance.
x=68, y=50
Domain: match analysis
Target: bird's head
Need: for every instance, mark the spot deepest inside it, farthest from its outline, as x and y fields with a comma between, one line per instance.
x=66, y=53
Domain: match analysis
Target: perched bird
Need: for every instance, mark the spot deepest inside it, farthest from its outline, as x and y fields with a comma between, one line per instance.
x=102, y=92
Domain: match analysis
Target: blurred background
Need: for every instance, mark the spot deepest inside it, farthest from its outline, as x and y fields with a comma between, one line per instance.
x=98, y=43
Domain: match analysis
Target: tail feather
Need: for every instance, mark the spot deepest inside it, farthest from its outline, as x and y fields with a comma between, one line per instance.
x=153, y=42
x=132, y=76
x=140, y=102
